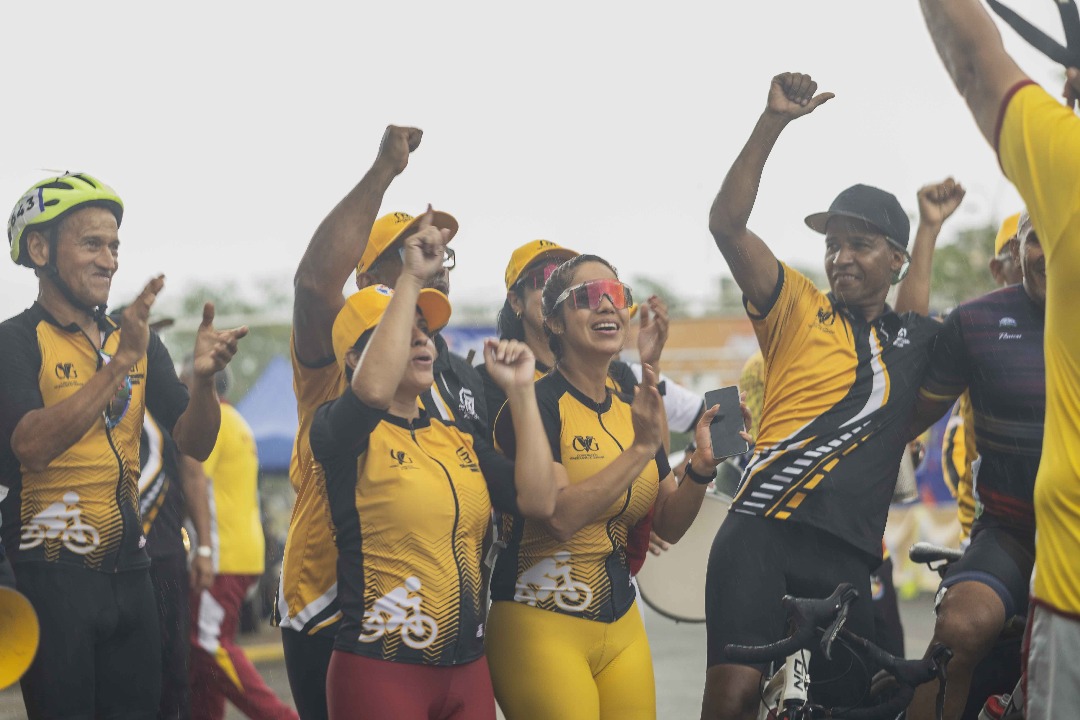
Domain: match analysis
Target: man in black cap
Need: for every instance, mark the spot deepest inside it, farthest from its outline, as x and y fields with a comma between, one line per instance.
x=842, y=370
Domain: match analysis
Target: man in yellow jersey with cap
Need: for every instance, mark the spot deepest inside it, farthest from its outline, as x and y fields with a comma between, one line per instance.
x=1037, y=140
x=348, y=240
x=842, y=370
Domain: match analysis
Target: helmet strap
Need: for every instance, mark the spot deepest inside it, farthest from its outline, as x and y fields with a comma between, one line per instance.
x=50, y=271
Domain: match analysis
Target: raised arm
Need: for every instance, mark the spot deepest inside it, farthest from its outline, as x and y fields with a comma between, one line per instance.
x=936, y=203
x=338, y=244
x=752, y=263
x=511, y=365
x=196, y=430
x=970, y=45
x=386, y=356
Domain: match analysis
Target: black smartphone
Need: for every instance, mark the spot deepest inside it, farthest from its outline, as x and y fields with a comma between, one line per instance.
x=725, y=427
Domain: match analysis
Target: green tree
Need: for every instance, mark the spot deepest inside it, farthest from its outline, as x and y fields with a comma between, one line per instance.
x=961, y=268
x=266, y=310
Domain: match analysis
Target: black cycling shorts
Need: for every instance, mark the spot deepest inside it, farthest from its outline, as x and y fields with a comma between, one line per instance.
x=754, y=562
x=100, y=650
x=1000, y=557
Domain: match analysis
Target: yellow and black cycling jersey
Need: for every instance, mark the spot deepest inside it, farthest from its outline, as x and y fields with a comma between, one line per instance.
x=839, y=399
x=307, y=589
x=83, y=509
x=620, y=378
x=411, y=502
x=589, y=575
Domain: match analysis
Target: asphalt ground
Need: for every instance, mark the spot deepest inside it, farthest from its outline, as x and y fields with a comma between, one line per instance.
x=678, y=659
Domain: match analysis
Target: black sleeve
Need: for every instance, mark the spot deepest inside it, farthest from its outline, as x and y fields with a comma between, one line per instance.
x=19, y=389
x=166, y=397
x=760, y=313
x=498, y=474
x=468, y=377
x=549, y=415
x=342, y=426
x=949, y=370
x=494, y=397
x=663, y=467
x=624, y=377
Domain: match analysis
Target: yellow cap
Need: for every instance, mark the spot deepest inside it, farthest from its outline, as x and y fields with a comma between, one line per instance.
x=529, y=253
x=1007, y=232
x=363, y=311
x=18, y=635
x=390, y=227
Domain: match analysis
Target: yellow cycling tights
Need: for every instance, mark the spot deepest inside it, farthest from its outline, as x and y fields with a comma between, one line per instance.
x=546, y=665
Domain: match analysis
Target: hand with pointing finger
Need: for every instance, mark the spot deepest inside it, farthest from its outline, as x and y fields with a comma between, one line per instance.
x=792, y=95
x=214, y=348
x=425, y=249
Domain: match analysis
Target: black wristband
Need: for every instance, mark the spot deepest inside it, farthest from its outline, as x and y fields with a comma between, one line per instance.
x=699, y=479
x=661, y=387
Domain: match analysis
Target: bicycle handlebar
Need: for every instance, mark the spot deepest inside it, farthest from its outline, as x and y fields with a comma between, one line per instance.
x=925, y=553
x=808, y=615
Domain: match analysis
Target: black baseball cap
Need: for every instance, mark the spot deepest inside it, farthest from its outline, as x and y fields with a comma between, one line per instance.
x=871, y=205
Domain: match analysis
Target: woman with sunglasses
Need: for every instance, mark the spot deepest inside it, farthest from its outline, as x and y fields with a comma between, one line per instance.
x=563, y=638
x=410, y=498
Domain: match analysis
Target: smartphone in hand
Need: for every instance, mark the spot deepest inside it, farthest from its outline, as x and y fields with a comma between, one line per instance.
x=727, y=424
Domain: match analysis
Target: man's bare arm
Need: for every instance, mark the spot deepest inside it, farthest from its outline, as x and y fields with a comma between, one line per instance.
x=936, y=203
x=752, y=263
x=338, y=244
x=196, y=488
x=970, y=45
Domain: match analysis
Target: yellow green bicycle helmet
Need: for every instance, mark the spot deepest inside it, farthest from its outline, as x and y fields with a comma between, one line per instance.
x=47, y=201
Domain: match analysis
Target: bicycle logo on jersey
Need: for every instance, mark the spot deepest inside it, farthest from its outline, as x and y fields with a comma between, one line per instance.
x=399, y=610
x=551, y=578
x=61, y=521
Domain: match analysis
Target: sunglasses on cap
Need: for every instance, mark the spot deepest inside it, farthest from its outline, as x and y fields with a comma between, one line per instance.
x=589, y=295
x=534, y=279
x=449, y=259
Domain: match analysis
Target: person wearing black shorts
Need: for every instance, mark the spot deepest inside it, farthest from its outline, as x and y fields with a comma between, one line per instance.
x=842, y=371
x=72, y=396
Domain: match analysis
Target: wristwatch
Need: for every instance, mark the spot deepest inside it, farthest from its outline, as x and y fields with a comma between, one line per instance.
x=204, y=551
x=699, y=479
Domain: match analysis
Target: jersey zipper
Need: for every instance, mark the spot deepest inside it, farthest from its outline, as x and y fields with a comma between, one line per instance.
x=610, y=525
x=120, y=472
x=453, y=532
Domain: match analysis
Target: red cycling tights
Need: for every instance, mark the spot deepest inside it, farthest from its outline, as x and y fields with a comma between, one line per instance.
x=361, y=688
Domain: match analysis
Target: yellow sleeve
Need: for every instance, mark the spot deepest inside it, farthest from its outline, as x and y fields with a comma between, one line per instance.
x=1038, y=146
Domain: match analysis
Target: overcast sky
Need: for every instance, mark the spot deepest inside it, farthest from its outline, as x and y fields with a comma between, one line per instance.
x=230, y=129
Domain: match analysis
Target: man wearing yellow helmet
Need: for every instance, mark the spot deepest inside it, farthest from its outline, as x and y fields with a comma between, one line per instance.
x=349, y=238
x=72, y=397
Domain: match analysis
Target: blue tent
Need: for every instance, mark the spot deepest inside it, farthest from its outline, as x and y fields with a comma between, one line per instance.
x=270, y=410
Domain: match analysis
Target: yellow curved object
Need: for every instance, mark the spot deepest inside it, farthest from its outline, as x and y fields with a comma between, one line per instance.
x=18, y=636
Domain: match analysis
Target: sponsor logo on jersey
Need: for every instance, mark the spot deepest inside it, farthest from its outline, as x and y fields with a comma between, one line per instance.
x=586, y=443
x=66, y=371
x=901, y=339
x=467, y=404
x=466, y=459
x=1007, y=322
x=399, y=459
